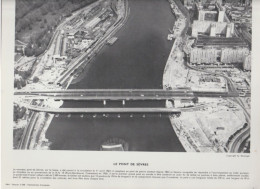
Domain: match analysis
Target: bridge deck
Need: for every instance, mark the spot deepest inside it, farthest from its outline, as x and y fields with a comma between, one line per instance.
x=112, y=98
x=121, y=94
x=105, y=110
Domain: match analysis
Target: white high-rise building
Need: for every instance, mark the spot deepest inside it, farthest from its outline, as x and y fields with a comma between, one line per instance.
x=247, y=62
x=213, y=30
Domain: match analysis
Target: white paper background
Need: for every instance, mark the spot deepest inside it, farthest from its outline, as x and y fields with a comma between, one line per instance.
x=104, y=160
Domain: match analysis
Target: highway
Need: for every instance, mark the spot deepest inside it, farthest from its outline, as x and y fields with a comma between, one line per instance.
x=104, y=110
x=245, y=133
x=25, y=142
x=239, y=138
x=231, y=87
x=121, y=94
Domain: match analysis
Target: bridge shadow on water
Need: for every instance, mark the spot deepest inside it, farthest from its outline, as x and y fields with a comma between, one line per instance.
x=141, y=131
x=118, y=104
x=149, y=133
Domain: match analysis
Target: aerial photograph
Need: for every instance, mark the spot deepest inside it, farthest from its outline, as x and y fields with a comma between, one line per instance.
x=133, y=75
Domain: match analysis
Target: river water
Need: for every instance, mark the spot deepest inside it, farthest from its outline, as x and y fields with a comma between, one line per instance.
x=136, y=61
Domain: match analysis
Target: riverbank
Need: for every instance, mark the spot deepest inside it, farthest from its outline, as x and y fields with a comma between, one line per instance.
x=80, y=66
x=208, y=125
x=135, y=61
x=47, y=79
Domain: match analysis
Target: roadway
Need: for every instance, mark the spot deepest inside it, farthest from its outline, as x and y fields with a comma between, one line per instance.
x=231, y=87
x=245, y=133
x=239, y=138
x=104, y=110
x=121, y=94
x=25, y=141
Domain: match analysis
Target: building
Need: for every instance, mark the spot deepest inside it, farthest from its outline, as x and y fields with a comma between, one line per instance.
x=219, y=42
x=60, y=48
x=56, y=53
x=247, y=62
x=20, y=46
x=92, y=23
x=200, y=55
x=231, y=55
x=209, y=1
x=210, y=11
x=63, y=53
x=188, y=3
x=213, y=29
x=221, y=12
x=71, y=33
x=210, y=50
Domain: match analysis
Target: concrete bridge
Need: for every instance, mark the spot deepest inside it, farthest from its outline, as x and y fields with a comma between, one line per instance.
x=121, y=94
x=104, y=110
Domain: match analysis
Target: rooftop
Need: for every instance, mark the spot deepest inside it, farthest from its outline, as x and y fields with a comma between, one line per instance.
x=203, y=41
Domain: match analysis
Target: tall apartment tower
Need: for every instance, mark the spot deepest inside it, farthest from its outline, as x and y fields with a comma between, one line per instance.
x=213, y=30
x=194, y=32
x=201, y=15
x=221, y=15
x=228, y=33
x=247, y=62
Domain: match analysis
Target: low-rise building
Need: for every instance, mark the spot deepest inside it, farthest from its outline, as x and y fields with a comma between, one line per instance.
x=20, y=46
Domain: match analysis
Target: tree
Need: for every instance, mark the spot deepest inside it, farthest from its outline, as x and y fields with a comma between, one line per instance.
x=195, y=100
x=28, y=51
x=36, y=79
x=42, y=25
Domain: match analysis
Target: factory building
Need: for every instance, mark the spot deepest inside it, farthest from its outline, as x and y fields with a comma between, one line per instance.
x=92, y=23
x=56, y=54
x=60, y=48
x=64, y=48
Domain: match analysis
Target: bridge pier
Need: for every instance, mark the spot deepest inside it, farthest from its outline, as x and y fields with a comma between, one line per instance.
x=104, y=102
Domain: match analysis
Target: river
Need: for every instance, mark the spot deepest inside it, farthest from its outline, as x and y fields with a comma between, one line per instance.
x=136, y=61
